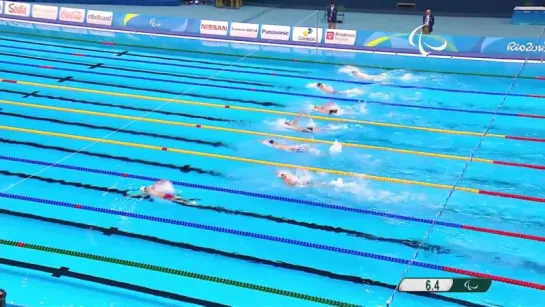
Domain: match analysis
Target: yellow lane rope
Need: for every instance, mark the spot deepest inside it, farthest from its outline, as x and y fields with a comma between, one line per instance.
x=239, y=159
x=240, y=108
x=264, y=134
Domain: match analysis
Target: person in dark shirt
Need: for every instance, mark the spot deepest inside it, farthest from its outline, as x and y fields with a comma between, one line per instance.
x=428, y=20
x=332, y=17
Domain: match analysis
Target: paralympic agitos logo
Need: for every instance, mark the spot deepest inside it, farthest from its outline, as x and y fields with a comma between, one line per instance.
x=420, y=46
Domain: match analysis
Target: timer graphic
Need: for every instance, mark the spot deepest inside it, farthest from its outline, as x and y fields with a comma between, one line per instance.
x=444, y=285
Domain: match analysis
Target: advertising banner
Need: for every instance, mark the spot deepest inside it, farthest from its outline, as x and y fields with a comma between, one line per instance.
x=307, y=35
x=247, y=30
x=279, y=33
x=72, y=15
x=1, y=7
x=340, y=37
x=99, y=18
x=517, y=47
x=213, y=27
x=155, y=24
x=17, y=9
x=435, y=44
x=45, y=11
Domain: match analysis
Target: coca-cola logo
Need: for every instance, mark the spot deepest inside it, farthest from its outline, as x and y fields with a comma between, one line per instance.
x=72, y=15
x=18, y=9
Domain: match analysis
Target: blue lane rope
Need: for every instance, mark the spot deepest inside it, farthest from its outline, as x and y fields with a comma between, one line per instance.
x=275, y=239
x=395, y=104
x=231, y=191
x=285, y=75
x=285, y=199
x=220, y=230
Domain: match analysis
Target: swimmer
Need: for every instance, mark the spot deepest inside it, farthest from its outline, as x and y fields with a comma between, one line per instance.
x=325, y=88
x=363, y=76
x=292, y=180
x=328, y=108
x=293, y=126
x=296, y=181
x=291, y=148
x=154, y=191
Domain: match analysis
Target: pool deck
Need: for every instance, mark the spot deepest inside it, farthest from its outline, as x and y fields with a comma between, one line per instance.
x=465, y=26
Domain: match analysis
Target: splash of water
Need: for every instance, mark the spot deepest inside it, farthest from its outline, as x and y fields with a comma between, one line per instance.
x=362, y=189
x=336, y=148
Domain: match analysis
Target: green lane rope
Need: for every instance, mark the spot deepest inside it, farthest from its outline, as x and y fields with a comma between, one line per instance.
x=273, y=58
x=192, y=275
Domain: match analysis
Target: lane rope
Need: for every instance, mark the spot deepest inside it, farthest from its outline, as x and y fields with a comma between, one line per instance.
x=321, y=79
x=68, y=273
x=270, y=135
x=113, y=231
x=394, y=104
x=112, y=44
x=151, y=267
x=275, y=164
x=279, y=198
x=260, y=237
x=284, y=113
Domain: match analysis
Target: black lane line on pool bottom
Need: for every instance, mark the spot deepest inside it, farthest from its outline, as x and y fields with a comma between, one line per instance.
x=177, y=94
x=151, y=56
x=278, y=264
x=184, y=169
x=125, y=131
x=65, y=272
x=64, y=182
x=103, y=104
x=159, y=73
x=281, y=220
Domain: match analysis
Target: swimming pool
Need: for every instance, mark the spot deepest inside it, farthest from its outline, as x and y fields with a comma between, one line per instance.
x=84, y=121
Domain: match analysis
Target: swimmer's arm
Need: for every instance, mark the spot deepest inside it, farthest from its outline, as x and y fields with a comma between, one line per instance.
x=294, y=121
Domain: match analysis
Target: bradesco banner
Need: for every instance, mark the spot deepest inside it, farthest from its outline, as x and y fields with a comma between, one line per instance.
x=307, y=35
x=45, y=11
x=99, y=18
x=340, y=37
x=150, y=23
x=72, y=15
x=16, y=9
x=213, y=27
x=272, y=32
x=247, y=30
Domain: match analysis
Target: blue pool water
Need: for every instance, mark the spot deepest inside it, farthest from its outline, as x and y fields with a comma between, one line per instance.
x=41, y=64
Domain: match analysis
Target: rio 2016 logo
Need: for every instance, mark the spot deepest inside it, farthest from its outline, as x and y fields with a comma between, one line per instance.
x=420, y=46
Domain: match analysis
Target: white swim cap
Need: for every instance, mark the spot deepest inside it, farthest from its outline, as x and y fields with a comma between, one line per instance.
x=142, y=189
